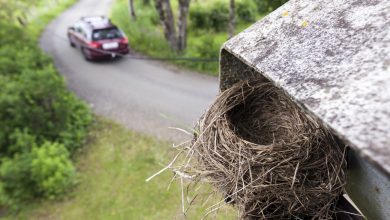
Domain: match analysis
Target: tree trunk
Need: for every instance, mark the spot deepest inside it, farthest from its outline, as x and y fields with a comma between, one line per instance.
x=232, y=19
x=182, y=24
x=167, y=21
x=132, y=10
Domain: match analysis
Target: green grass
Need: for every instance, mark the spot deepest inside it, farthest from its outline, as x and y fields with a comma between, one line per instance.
x=146, y=36
x=112, y=170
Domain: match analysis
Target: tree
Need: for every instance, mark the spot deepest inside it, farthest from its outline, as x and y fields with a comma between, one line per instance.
x=177, y=42
x=232, y=19
x=182, y=24
x=167, y=21
x=132, y=10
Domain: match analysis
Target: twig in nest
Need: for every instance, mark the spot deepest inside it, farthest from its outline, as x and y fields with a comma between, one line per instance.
x=268, y=158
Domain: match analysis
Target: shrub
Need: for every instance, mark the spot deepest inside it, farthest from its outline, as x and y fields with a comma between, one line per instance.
x=204, y=47
x=18, y=55
x=198, y=17
x=15, y=60
x=41, y=122
x=274, y=4
x=266, y=6
x=37, y=101
x=246, y=10
x=45, y=171
x=16, y=185
x=51, y=170
x=262, y=6
x=22, y=141
x=213, y=16
x=219, y=16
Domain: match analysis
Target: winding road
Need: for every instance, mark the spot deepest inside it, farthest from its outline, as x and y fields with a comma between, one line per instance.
x=146, y=96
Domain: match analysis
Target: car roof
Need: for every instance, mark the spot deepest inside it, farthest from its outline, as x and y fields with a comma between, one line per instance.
x=97, y=22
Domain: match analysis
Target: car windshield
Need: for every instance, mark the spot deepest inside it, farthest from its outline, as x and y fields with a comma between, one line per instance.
x=108, y=33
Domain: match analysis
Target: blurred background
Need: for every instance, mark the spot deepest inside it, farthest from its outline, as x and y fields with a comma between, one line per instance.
x=79, y=138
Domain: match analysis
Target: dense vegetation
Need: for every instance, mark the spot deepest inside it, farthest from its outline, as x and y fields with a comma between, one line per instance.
x=41, y=123
x=113, y=167
x=207, y=30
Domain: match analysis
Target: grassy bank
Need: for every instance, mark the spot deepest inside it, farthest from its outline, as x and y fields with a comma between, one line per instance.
x=42, y=123
x=112, y=170
x=204, y=39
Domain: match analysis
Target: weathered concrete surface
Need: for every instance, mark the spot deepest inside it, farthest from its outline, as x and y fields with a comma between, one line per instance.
x=333, y=58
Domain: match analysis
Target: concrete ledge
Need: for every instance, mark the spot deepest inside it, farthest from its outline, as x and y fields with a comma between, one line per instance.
x=332, y=58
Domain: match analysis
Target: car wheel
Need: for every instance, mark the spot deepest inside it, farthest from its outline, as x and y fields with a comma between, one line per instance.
x=70, y=41
x=85, y=55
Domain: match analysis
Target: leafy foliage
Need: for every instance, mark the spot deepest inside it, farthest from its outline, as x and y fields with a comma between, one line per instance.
x=51, y=170
x=37, y=101
x=266, y=6
x=212, y=16
x=246, y=10
x=41, y=122
x=206, y=47
x=44, y=171
x=16, y=184
x=18, y=52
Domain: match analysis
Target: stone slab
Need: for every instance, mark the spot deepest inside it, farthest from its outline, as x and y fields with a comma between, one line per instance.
x=333, y=58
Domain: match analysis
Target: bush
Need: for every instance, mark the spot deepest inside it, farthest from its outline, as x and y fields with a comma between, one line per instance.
x=16, y=185
x=204, y=47
x=45, y=171
x=246, y=10
x=207, y=48
x=37, y=101
x=266, y=6
x=22, y=141
x=213, y=16
x=198, y=17
x=41, y=122
x=18, y=55
x=219, y=16
x=274, y=4
x=51, y=170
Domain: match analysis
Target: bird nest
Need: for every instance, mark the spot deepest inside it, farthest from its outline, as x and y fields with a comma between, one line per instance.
x=266, y=156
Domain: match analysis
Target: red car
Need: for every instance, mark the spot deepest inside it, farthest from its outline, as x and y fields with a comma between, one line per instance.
x=98, y=38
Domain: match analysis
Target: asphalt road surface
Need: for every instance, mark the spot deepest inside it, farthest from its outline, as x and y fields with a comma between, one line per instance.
x=146, y=96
